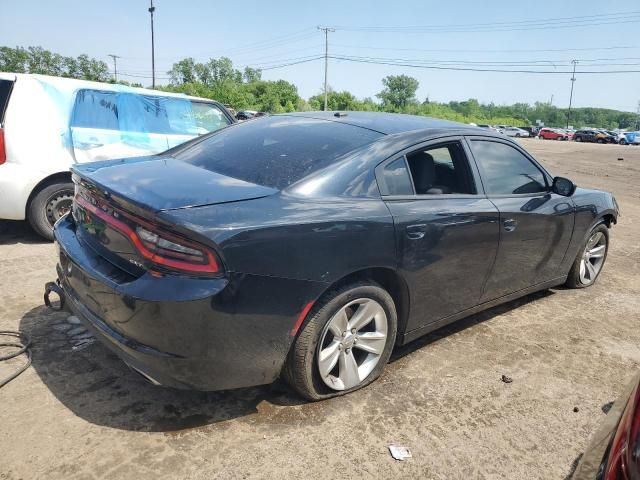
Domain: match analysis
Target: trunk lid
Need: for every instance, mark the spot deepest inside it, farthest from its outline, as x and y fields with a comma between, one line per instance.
x=159, y=183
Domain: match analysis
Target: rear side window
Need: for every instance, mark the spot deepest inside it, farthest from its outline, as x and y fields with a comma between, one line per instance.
x=275, y=151
x=5, y=92
x=505, y=170
x=132, y=112
x=396, y=178
x=441, y=169
x=96, y=109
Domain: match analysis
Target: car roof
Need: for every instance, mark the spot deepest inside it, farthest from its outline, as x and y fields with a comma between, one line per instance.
x=388, y=123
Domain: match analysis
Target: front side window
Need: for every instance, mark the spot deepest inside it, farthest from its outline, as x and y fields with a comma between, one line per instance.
x=505, y=170
x=208, y=117
x=441, y=169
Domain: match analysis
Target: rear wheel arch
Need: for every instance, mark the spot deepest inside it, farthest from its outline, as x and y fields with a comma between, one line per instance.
x=59, y=177
x=387, y=278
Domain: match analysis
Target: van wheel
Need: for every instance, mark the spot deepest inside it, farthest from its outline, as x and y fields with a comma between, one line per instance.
x=344, y=344
x=48, y=205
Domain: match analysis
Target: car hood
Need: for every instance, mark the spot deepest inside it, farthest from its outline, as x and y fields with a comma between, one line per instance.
x=160, y=183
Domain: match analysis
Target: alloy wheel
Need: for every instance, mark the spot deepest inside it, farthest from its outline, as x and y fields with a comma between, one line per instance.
x=593, y=258
x=351, y=344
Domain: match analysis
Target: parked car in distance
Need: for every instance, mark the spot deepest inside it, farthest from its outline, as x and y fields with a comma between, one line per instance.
x=552, y=134
x=48, y=124
x=585, y=135
x=308, y=245
x=613, y=449
x=605, y=136
x=515, y=132
x=533, y=131
x=630, y=138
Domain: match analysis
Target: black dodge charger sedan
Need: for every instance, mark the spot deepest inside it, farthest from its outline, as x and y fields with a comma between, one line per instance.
x=308, y=245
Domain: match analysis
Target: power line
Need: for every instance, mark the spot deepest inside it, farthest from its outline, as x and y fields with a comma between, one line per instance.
x=466, y=50
x=394, y=62
x=542, y=24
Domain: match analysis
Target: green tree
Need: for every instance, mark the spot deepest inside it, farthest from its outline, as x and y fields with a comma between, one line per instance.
x=399, y=91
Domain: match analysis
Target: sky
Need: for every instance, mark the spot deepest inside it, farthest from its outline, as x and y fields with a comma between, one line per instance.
x=524, y=35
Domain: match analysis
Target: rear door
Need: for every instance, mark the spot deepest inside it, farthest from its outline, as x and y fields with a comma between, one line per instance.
x=446, y=229
x=535, y=224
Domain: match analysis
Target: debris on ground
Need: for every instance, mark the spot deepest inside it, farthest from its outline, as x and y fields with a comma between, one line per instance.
x=400, y=453
x=507, y=379
x=606, y=407
x=576, y=409
x=72, y=319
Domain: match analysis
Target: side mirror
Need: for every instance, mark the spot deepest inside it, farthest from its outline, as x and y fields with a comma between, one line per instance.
x=563, y=186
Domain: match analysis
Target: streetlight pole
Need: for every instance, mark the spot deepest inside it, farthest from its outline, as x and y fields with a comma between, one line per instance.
x=326, y=31
x=115, y=66
x=153, y=52
x=573, y=79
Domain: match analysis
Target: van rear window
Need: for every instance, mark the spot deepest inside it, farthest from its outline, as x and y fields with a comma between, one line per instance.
x=145, y=113
x=5, y=92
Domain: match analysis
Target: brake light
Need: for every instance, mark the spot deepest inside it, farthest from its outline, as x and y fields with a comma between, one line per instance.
x=161, y=248
x=3, y=152
x=624, y=457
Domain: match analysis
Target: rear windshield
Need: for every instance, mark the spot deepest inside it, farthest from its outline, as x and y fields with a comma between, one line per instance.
x=275, y=151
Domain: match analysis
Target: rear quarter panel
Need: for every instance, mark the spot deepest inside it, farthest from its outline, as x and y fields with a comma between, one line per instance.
x=297, y=238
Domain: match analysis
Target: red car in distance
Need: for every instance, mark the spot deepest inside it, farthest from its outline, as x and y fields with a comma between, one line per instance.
x=552, y=134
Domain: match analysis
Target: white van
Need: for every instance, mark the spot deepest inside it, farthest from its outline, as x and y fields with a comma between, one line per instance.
x=49, y=123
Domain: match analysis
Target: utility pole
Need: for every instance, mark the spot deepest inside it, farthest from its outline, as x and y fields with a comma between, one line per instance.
x=638, y=120
x=115, y=66
x=153, y=52
x=573, y=79
x=551, y=101
x=326, y=31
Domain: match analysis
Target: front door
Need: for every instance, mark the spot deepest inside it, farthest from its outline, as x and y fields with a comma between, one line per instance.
x=446, y=232
x=535, y=224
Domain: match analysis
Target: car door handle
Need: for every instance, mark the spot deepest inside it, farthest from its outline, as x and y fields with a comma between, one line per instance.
x=416, y=232
x=510, y=224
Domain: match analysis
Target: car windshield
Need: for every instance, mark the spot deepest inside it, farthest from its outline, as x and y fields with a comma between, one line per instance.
x=275, y=151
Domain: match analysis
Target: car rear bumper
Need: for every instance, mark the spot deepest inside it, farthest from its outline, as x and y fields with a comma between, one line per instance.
x=203, y=334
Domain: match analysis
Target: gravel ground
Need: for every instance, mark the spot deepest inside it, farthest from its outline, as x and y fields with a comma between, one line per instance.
x=78, y=412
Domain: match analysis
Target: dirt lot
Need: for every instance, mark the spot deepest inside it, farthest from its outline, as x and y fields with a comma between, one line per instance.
x=80, y=413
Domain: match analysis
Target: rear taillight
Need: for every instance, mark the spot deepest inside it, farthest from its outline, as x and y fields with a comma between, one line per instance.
x=162, y=249
x=3, y=151
x=623, y=462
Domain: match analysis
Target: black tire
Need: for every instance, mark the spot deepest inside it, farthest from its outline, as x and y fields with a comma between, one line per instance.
x=573, y=280
x=540, y=137
x=301, y=369
x=47, y=205
x=578, y=139
x=622, y=141
x=600, y=140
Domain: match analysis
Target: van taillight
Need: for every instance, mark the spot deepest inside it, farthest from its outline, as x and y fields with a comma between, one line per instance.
x=3, y=153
